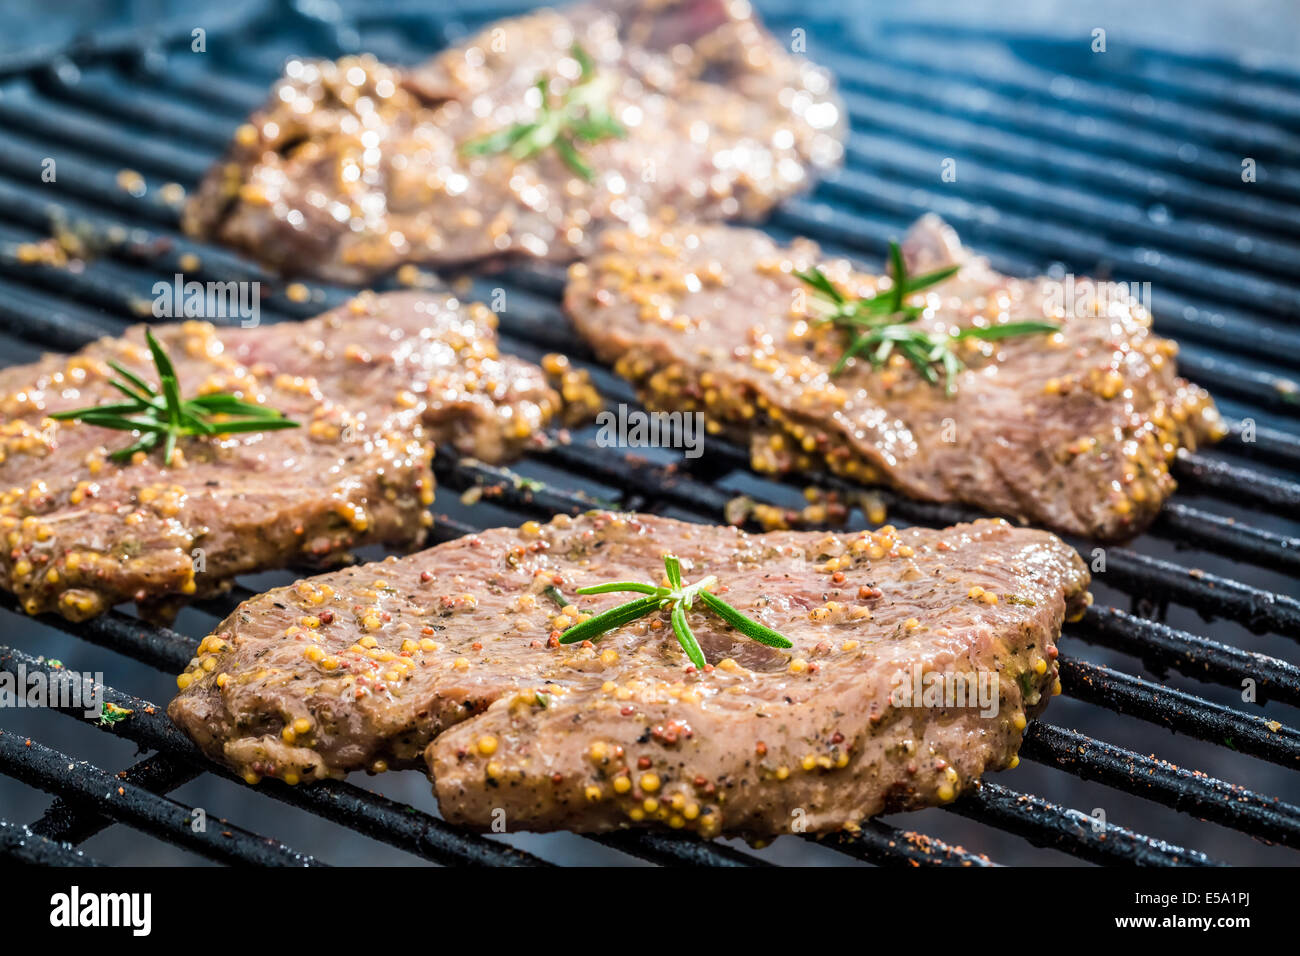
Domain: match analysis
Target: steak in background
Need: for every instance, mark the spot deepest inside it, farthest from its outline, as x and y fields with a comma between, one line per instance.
x=1075, y=430
x=452, y=656
x=353, y=167
x=374, y=385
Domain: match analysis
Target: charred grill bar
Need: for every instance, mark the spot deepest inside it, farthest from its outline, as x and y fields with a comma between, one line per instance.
x=144, y=103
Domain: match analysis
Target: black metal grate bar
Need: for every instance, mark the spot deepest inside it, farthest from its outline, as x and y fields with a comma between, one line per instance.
x=1182, y=712
x=1043, y=823
x=1162, y=782
x=40, y=766
x=70, y=822
x=368, y=813
x=19, y=844
x=1160, y=646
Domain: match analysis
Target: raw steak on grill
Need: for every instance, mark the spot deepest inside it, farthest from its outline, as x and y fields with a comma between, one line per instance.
x=374, y=385
x=1074, y=430
x=353, y=167
x=452, y=656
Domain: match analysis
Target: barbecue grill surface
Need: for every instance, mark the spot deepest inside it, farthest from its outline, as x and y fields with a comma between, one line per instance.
x=1128, y=168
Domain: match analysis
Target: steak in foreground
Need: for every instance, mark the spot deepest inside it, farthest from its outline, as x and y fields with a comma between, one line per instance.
x=353, y=168
x=1074, y=431
x=373, y=385
x=452, y=657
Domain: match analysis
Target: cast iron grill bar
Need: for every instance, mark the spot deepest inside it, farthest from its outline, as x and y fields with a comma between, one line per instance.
x=1180, y=711
x=1160, y=646
x=1045, y=824
x=1210, y=122
x=963, y=138
x=19, y=844
x=1129, y=142
x=368, y=813
x=1226, y=536
x=41, y=766
x=71, y=822
x=1160, y=781
x=1264, y=444
x=879, y=843
x=1199, y=474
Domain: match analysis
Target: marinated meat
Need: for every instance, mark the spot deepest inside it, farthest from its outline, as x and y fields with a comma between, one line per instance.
x=1074, y=430
x=373, y=384
x=353, y=167
x=453, y=656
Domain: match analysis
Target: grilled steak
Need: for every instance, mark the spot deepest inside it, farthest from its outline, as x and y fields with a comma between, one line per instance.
x=373, y=385
x=452, y=655
x=354, y=167
x=1074, y=430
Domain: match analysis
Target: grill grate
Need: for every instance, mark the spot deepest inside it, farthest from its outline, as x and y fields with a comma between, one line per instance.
x=1133, y=172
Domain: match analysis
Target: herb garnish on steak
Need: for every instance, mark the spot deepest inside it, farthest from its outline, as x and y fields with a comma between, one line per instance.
x=167, y=417
x=885, y=322
x=675, y=597
x=374, y=385
x=453, y=657
x=353, y=168
x=1074, y=430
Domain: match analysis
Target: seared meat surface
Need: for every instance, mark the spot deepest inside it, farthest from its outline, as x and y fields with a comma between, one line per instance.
x=1074, y=430
x=354, y=167
x=374, y=385
x=452, y=656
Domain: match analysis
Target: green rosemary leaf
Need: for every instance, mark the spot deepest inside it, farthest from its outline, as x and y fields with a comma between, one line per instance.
x=1006, y=330
x=113, y=408
x=141, y=401
x=585, y=63
x=229, y=404
x=615, y=617
x=251, y=425
x=499, y=141
x=686, y=637
x=746, y=625
x=147, y=390
x=673, y=568
x=569, y=153
x=817, y=279
x=924, y=281
x=556, y=595
x=160, y=358
x=616, y=586
x=120, y=422
x=900, y=274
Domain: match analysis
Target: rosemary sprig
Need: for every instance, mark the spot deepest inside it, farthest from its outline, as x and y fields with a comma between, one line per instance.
x=879, y=325
x=161, y=415
x=679, y=598
x=581, y=115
